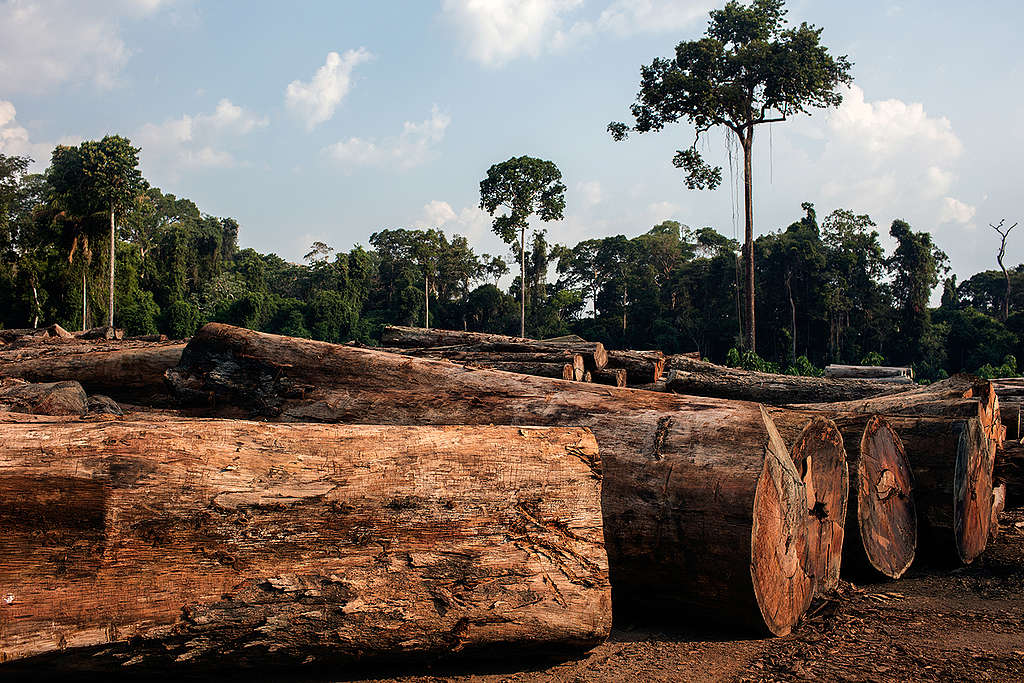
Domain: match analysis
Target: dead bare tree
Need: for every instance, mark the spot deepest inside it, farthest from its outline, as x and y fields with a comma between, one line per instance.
x=1003, y=233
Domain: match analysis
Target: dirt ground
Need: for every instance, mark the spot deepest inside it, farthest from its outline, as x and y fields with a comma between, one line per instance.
x=963, y=624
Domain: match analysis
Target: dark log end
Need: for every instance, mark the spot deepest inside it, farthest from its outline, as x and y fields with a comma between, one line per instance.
x=820, y=458
x=972, y=491
x=780, y=568
x=886, y=516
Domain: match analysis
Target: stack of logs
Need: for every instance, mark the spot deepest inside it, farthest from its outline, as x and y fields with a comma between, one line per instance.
x=569, y=358
x=451, y=492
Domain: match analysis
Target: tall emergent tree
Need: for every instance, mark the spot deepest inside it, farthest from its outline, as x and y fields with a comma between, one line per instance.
x=98, y=176
x=748, y=69
x=524, y=186
x=1003, y=234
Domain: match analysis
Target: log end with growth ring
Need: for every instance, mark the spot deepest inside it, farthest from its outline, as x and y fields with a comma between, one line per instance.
x=972, y=492
x=780, y=568
x=820, y=458
x=886, y=516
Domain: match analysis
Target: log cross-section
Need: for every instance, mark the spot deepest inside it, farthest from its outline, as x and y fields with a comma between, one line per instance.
x=226, y=543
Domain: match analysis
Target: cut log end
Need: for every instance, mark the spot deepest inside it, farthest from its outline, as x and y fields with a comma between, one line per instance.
x=780, y=568
x=886, y=516
x=820, y=458
x=972, y=492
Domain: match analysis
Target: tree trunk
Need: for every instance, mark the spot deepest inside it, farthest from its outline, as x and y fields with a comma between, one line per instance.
x=85, y=324
x=642, y=367
x=792, y=316
x=680, y=474
x=593, y=353
x=522, y=281
x=555, y=370
x=817, y=449
x=110, y=310
x=489, y=358
x=868, y=372
x=136, y=544
x=699, y=378
x=748, y=233
x=135, y=375
x=426, y=303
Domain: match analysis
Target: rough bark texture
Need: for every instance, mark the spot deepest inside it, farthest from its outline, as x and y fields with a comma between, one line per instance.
x=817, y=449
x=105, y=332
x=556, y=370
x=698, y=378
x=466, y=354
x=414, y=337
x=642, y=367
x=134, y=374
x=704, y=510
x=230, y=543
x=49, y=398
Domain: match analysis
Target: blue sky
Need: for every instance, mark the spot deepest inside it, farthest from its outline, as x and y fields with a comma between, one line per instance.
x=329, y=121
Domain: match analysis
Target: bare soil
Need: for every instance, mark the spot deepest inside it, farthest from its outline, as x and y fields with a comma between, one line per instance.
x=964, y=624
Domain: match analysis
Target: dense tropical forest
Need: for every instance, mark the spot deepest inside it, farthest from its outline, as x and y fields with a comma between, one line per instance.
x=827, y=290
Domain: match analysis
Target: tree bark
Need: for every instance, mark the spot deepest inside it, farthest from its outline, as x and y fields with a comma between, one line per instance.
x=817, y=449
x=137, y=544
x=84, y=317
x=130, y=374
x=642, y=367
x=522, y=281
x=410, y=337
x=680, y=473
x=470, y=354
x=698, y=378
x=426, y=302
x=564, y=371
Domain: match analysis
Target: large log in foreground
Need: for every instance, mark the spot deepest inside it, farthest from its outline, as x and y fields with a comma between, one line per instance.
x=816, y=446
x=133, y=374
x=416, y=337
x=699, y=378
x=703, y=508
x=226, y=543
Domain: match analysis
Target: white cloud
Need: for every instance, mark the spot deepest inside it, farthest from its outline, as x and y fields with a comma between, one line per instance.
x=628, y=17
x=889, y=157
x=661, y=211
x=590, y=192
x=315, y=101
x=435, y=214
x=15, y=139
x=193, y=141
x=471, y=221
x=47, y=43
x=956, y=211
x=411, y=148
x=496, y=32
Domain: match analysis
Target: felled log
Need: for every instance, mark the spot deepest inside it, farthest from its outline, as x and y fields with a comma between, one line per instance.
x=998, y=505
x=148, y=544
x=868, y=371
x=130, y=374
x=104, y=405
x=556, y=370
x=703, y=508
x=414, y=337
x=471, y=354
x=642, y=367
x=616, y=377
x=698, y=378
x=817, y=449
x=105, y=332
x=50, y=332
x=49, y=398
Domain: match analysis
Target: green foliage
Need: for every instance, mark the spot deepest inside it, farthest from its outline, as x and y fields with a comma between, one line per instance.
x=749, y=360
x=182, y=319
x=1008, y=368
x=804, y=368
x=873, y=358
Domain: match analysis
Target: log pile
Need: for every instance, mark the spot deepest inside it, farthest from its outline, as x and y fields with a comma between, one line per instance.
x=679, y=473
x=903, y=375
x=700, y=378
x=140, y=545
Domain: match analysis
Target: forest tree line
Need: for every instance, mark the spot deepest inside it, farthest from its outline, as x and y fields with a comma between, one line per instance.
x=828, y=290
